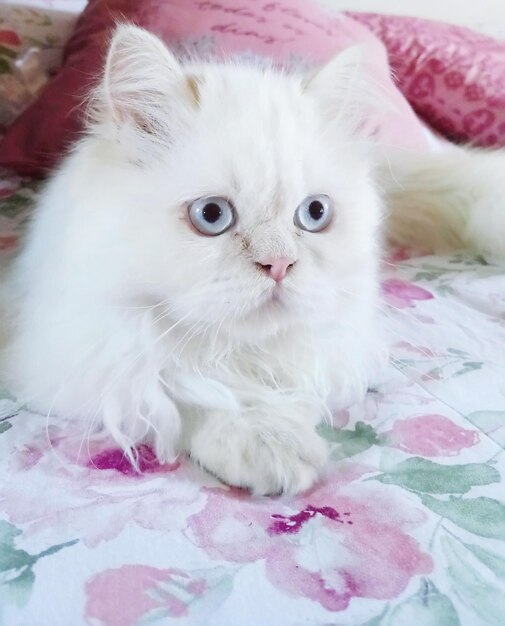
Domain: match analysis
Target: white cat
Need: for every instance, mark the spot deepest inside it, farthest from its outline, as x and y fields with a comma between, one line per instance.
x=201, y=272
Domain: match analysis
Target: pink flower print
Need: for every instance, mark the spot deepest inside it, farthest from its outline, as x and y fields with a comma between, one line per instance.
x=430, y=435
x=474, y=92
x=437, y=66
x=94, y=499
x=147, y=589
x=340, y=418
x=5, y=192
x=398, y=254
x=478, y=121
x=330, y=544
x=9, y=38
x=422, y=351
x=116, y=459
x=423, y=86
x=402, y=294
x=293, y=523
x=134, y=582
x=8, y=242
x=453, y=80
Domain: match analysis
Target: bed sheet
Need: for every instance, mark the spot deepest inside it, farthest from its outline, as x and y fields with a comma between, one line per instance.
x=406, y=526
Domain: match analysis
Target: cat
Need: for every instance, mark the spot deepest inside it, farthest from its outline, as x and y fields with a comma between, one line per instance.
x=202, y=271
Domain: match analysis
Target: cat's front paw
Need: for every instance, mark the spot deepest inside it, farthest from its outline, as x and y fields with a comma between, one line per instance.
x=286, y=458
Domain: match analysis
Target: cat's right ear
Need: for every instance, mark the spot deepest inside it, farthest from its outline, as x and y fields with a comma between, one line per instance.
x=144, y=94
x=346, y=91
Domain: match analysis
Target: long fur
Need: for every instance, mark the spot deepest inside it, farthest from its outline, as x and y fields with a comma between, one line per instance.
x=449, y=199
x=132, y=322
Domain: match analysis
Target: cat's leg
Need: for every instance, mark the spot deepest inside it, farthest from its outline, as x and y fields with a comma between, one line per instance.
x=138, y=409
x=266, y=451
x=100, y=371
x=356, y=356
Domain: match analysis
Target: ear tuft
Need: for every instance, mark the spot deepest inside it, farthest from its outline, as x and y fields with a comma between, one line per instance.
x=140, y=75
x=144, y=91
x=346, y=91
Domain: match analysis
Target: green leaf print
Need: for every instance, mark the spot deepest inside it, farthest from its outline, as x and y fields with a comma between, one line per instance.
x=480, y=260
x=5, y=67
x=7, y=52
x=10, y=557
x=490, y=422
x=5, y=425
x=469, y=366
x=8, y=408
x=17, y=590
x=16, y=573
x=481, y=516
x=422, y=475
x=428, y=607
x=495, y=563
x=446, y=290
x=218, y=583
x=457, y=352
x=474, y=588
x=428, y=276
x=377, y=621
x=14, y=205
x=351, y=441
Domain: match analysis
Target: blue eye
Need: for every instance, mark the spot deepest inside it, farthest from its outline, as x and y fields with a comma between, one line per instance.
x=314, y=213
x=211, y=216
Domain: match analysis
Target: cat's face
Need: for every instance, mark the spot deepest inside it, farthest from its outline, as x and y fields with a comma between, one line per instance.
x=259, y=208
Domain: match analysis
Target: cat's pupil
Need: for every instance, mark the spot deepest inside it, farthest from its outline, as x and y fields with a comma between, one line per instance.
x=316, y=210
x=211, y=212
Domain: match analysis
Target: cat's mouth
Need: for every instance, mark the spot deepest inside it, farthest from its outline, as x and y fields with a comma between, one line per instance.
x=274, y=296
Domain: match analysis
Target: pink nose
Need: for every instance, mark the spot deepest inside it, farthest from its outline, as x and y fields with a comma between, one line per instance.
x=276, y=268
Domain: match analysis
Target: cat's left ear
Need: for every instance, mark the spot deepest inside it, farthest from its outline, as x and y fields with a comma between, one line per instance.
x=144, y=93
x=344, y=88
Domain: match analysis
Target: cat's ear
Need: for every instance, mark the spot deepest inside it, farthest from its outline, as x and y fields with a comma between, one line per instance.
x=144, y=92
x=344, y=88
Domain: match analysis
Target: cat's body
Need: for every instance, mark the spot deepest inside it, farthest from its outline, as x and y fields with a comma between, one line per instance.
x=231, y=347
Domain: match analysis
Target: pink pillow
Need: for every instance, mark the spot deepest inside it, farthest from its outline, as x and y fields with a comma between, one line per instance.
x=453, y=77
x=292, y=32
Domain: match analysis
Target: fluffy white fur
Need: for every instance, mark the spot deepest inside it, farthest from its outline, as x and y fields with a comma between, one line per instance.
x=453, y=198
x=133, y=322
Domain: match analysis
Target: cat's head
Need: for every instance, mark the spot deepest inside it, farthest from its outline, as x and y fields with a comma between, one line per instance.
x=243, y=192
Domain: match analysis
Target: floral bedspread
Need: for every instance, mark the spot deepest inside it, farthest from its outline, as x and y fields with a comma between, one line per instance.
x=407, y=526
x=32, y=36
